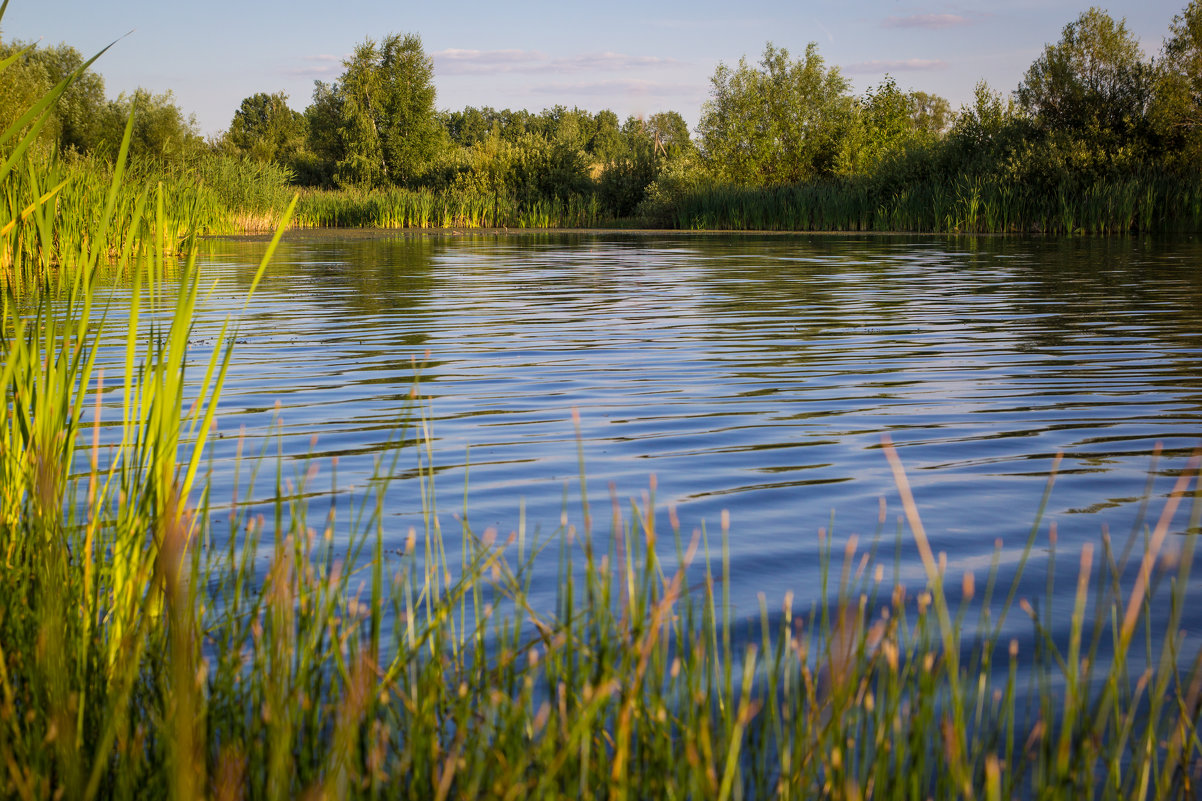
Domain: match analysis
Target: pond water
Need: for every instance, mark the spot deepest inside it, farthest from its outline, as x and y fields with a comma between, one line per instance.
x=749, y=374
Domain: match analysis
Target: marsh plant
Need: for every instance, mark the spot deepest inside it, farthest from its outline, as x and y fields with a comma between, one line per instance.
x=156, y=641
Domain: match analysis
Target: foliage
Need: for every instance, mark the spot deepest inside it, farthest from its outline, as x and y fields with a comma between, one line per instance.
x=161, y=129
x=73, y=124
x=386, y=128
x=636, y=161
x=1091, y=115
x=784, y=122
x=1177, y=105
x=265, y=129
x=931, y=114
x=1091, y=86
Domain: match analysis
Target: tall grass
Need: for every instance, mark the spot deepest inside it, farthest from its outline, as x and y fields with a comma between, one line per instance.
x=156, y=641
x=427, y=208
x=967, y=204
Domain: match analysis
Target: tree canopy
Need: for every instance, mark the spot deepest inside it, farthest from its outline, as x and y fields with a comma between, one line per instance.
x=1093, y=80
x=264, y=128
x=381, y=111
x=782, y=122
x=1177, y=104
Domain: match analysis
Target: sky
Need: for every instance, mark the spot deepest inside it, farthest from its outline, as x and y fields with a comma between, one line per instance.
x=637, y=58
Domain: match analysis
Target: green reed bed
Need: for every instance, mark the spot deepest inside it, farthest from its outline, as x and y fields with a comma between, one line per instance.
x=85, y=210
x=425, y=208
x=963, y=205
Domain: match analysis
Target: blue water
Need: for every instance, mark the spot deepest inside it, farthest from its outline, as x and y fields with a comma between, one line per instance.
x=749, y=374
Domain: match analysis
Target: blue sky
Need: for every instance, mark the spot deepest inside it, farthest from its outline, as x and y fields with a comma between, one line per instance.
x=633, y=57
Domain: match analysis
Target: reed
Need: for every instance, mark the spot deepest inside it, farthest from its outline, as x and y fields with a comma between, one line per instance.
x=398, y=208
x=964, y=204
x=156, y=641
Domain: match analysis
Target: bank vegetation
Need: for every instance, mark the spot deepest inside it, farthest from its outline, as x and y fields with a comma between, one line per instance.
x=1099, y=137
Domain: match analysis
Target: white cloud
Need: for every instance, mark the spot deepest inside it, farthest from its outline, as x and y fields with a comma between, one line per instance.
x=929, y=21
x=633, y=86
x=478, y=62
x=901, y=65
x=319, y=66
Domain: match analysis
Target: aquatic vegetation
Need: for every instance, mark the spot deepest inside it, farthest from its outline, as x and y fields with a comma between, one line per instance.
x=1153, y=204
x=424, y=208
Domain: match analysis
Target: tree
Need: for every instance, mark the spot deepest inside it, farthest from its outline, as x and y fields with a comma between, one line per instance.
x=161, y=129
x=886, y=122
x=985, y=135
x=1093, y=82
x=22, y=83
x=671, y=131
x=387, y=129
x=782, y=123
x=1177, y=97
x=322, y=120
x=264, y=128
x=73, y=122
x=606, y=144
x=470, y=126
x=932, y=114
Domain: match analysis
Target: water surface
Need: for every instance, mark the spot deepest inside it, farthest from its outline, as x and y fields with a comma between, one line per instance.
x=750, y=374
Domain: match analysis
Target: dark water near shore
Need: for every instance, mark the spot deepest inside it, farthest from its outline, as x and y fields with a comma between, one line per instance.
x=755, y=375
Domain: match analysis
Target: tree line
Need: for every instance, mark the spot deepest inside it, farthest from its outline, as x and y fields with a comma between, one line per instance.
x=1091, y=108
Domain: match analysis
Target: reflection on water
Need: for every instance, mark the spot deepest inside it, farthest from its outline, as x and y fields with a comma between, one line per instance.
x=749, y=374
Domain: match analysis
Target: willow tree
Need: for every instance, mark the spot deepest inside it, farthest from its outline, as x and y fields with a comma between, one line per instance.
x=784, y=121
x=382, y=109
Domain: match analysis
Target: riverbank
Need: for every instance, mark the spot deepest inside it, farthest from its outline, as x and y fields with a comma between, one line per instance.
x=1153, y=204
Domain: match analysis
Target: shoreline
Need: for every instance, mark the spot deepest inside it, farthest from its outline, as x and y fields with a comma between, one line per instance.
x=335, y=232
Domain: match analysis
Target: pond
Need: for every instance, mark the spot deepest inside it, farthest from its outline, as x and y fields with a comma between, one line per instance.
x=754, y=375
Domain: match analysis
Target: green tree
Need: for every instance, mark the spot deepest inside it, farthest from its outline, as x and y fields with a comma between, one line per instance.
x=469, y=126
x=1177, y=97
x=606, y=144
x=161, y=129
x=1094, y=82
x=932, y=114
x=73, y=124
x=546, y=167
x=886, y=124
x=985, y=135
x=264, y=128
x=387, y=129
x=671, y=132
x=891, y=124
x=322, y=140
x=22, y=84
x=784, y=122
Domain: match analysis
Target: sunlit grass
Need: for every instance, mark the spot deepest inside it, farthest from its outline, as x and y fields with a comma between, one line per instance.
x=425, y=209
